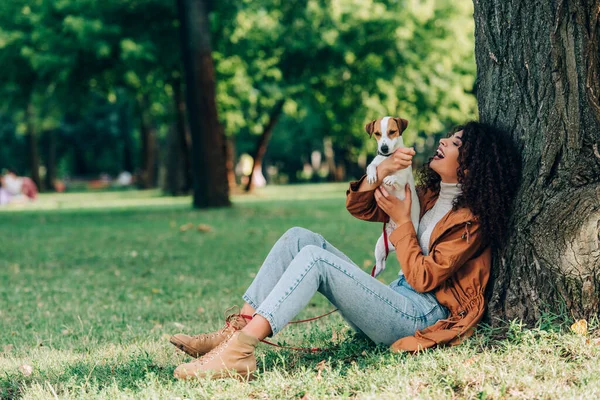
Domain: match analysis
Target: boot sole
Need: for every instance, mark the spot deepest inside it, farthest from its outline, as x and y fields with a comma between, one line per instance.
x=181, y=346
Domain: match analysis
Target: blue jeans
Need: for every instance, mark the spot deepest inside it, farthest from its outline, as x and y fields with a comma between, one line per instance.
x=302, y=263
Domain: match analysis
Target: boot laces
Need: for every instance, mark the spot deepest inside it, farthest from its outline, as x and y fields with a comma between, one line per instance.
x=217, y=350
x=234, y=321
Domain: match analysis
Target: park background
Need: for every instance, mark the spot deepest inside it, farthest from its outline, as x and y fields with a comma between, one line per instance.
x=97, y=274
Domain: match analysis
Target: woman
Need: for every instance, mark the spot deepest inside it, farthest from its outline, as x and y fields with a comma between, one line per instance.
x=465, y=194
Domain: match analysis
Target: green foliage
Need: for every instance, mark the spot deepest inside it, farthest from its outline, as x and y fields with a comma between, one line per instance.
x=337, y=63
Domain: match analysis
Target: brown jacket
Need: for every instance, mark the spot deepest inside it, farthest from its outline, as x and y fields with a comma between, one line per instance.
x=457, y=268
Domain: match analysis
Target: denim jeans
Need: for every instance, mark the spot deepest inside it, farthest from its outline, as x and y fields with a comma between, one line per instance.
x=302, y=263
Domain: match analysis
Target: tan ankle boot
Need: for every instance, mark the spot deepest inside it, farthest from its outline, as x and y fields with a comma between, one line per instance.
x=199, y=345
x=232, y=358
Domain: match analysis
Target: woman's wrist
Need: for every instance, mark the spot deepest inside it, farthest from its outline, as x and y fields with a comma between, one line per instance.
x=381, y=172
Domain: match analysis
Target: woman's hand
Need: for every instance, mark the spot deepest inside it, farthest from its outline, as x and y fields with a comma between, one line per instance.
x=398, y=210
x=400, y=159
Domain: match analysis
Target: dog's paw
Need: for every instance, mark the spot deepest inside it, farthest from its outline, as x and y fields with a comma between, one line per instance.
x=371, y=174
x=391, y=181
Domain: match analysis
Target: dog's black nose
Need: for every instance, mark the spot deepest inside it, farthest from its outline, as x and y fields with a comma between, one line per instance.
x=384, y=149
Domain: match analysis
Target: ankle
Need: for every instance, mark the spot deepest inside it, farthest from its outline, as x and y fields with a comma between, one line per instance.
x=259, y=327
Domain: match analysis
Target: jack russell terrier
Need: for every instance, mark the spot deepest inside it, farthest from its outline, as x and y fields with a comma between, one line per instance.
x=388, y=133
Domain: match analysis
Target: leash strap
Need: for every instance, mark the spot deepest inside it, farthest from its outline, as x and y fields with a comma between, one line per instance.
x=387, y=248
x=307, y=349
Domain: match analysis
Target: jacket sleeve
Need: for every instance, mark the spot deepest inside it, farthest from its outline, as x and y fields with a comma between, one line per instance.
x=425, y=272
x=362, y=205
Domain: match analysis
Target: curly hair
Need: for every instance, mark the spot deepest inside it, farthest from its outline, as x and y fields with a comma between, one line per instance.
x=491, y=183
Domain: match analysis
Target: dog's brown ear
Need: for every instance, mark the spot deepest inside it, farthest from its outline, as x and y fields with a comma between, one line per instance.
x=370, y=127
x=402, y=124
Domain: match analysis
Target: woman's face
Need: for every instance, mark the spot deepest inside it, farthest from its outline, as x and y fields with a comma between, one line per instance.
x=446, y=167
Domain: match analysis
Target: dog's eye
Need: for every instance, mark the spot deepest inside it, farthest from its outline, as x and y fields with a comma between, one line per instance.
x=392, y=132
x=377, y=134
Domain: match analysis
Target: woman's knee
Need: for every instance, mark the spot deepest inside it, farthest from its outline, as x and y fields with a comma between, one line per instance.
x=304, y=237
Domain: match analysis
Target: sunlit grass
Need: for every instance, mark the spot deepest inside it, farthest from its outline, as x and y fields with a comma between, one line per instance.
x=91, y=291
x=153, y=198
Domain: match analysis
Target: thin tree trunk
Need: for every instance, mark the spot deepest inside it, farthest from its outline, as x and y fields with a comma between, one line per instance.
x=263, y=142
x=539, y=78
x=32, y=142
x=51, y=160
x=330, y=158
x=148, y=139
x=174, y=176
x=124, y=126
x=183, y=134
x=230, y=143
x=209, y=172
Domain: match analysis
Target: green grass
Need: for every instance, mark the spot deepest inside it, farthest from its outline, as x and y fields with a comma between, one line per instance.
x=93, y=284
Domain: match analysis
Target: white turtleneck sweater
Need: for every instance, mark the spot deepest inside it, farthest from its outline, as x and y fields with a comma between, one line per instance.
x=443, y=204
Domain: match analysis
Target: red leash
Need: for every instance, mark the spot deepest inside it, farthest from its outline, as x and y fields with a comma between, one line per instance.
x=308, y=349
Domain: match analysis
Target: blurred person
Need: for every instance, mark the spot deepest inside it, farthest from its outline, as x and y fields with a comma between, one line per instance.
x=5, y=196
x=465, y=190
x=18, y=186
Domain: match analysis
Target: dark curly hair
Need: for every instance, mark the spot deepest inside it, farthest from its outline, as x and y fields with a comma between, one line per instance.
x=491, y=183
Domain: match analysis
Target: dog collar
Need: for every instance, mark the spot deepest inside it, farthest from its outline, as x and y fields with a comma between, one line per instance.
x=381, y=154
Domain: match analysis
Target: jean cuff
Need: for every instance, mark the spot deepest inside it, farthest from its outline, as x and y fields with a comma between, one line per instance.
x=274, y=328
x=248, y=300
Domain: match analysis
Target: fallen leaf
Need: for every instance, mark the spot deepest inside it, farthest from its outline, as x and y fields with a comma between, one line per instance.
x=65, y=332
x=204, y=228
x=596, y=341
x=155, y=290
x=320, y=367
x=133, y=253
x=471, y=360
x=580, y=327
x=186, y=227
x=26, y=369
x=334, y=336
x=200, y=310
x=178, y=325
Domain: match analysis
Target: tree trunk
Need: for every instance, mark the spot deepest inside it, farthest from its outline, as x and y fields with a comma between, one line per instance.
x=183, y=135
x=538, y=77
x=32, y=142
x=51, y=159
x=263, y=142
x=148, y=139
x=209, y=172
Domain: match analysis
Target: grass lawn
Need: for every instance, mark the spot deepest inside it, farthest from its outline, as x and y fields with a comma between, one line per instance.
x=93, y=285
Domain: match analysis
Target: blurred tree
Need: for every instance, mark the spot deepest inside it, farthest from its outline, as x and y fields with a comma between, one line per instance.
x=209, y=171
x=339, y=64
x=336, y=64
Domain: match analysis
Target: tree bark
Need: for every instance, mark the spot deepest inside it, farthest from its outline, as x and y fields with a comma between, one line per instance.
x=209, y=172
x=538, y=77
x=263, y=142
x=32, y=142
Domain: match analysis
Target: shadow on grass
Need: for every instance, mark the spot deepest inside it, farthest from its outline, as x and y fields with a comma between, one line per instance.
x=126, y=375
x=139, y=367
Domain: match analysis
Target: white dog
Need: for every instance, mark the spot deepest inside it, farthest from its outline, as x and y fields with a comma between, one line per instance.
x=388, y=133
